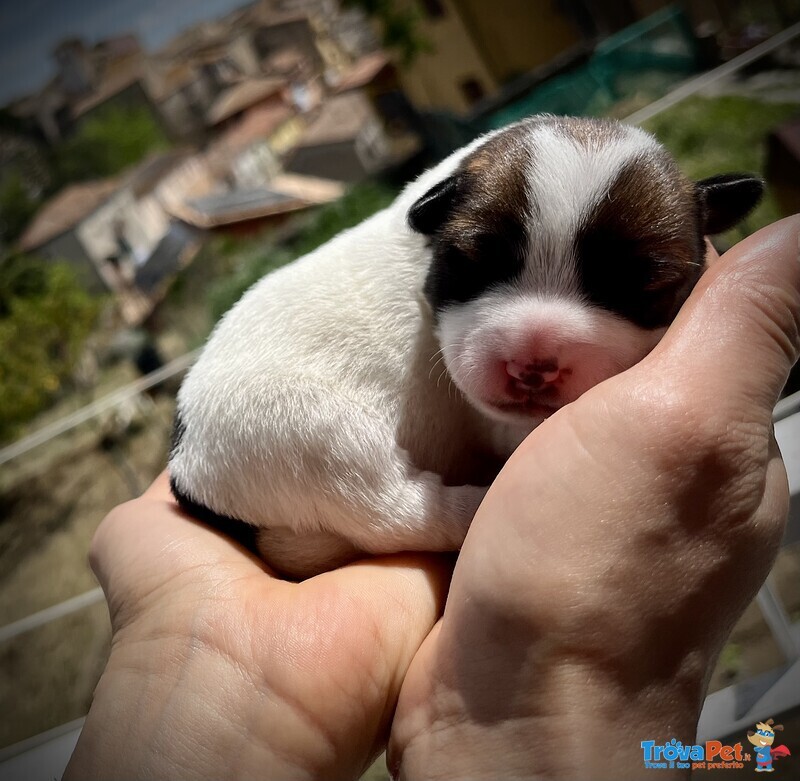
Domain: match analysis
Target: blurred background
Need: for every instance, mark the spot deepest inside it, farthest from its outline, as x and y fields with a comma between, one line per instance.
x=158, y=158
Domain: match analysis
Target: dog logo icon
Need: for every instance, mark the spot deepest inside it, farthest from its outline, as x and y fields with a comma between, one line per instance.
x=762, y=739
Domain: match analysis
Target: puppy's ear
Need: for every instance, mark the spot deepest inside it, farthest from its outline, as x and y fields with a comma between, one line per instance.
x=428, y=214
x=727, y=199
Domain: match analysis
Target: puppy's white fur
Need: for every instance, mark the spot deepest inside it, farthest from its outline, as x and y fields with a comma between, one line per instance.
x=317, y=411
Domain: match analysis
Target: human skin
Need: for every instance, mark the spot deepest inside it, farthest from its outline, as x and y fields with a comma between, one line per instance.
x=599, y=579
x=617, y=549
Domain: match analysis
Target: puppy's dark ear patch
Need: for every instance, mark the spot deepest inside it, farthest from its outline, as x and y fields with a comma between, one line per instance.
x=727, y=199
x=429, y=213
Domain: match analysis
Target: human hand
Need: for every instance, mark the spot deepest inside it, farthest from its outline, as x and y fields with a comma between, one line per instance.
x=616, y=549
x=219, y=670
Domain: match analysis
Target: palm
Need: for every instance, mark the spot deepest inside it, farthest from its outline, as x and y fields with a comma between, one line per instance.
x=314, y=668
x=620, y=543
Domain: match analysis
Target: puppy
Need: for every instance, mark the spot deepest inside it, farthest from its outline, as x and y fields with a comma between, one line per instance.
x=360, y=400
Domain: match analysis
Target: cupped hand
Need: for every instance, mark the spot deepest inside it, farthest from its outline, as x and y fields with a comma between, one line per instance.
x=617, y=548
x=597, y=583
x=220, y=670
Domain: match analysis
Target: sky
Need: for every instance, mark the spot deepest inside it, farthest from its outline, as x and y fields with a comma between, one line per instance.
x=29, y=29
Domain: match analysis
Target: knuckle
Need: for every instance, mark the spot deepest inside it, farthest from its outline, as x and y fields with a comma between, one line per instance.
x=102, y=539
x=775, y=307
x=683, y=427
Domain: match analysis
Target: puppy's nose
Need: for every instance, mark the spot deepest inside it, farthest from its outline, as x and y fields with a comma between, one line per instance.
x=534, y=374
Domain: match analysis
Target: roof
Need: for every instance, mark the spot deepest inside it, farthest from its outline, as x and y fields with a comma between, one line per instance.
x=118, y=45
x=310, y=188
x=144, y=178
x=238, y=206
x=166, y=77
x=242, y=96
x=285, y=194
x=341, y=119
x=363, y=71
x=196, y=38
x=120, y=75
x=258, y=124
x=287, y=62
x=65, y=210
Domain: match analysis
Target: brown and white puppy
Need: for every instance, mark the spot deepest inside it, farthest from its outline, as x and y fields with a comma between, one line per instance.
x=522, y=270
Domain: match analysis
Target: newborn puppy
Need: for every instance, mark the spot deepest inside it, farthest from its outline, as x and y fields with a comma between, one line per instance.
x=359, y=400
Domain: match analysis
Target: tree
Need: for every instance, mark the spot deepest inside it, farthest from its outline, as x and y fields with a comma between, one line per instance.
x=107, y=143
x=17, y=206
x=45, y=317
x=399, y=24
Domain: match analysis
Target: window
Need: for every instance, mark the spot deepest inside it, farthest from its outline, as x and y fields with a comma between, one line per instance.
x=472, y=90
x=434, y=8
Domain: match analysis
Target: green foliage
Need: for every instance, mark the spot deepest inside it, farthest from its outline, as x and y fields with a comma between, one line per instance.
x=731, y=660
x=252, y=260
x=330, y=220
x=108, y=142
x=399, y=24
x=45, y=317
x=16, y=207
x=20, y=277
x=715, y=135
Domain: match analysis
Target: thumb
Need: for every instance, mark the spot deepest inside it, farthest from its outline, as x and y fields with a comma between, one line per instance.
x=741, y=325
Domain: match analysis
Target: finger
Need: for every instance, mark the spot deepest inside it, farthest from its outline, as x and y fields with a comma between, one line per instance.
x=739, y=327
x=159, y=489
x=375, y=615
x=149, y=542
x=229, y=529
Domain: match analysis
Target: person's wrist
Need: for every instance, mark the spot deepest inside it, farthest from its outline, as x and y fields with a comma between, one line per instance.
x=149, y=716
x=582, y=720
x=177, y=707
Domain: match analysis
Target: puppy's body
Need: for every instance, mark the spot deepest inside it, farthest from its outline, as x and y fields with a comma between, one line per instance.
x=322, y=411
x=360, y=399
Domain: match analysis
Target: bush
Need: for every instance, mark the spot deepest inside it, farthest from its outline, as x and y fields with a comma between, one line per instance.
x=17, y=207
x=107, y=143
x=45, y=317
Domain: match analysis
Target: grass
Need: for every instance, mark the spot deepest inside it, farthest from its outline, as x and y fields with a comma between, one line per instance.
x=709, y=136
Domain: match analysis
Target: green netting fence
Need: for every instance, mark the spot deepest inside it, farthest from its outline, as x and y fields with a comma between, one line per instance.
x=649, y=57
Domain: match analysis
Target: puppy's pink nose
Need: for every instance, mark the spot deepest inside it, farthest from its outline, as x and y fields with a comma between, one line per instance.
x=536, y=373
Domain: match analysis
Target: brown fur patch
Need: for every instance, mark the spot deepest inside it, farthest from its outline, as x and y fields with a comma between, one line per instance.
x=639, y=252
x=589, y=133
x=646, y=236
x=494, y=180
